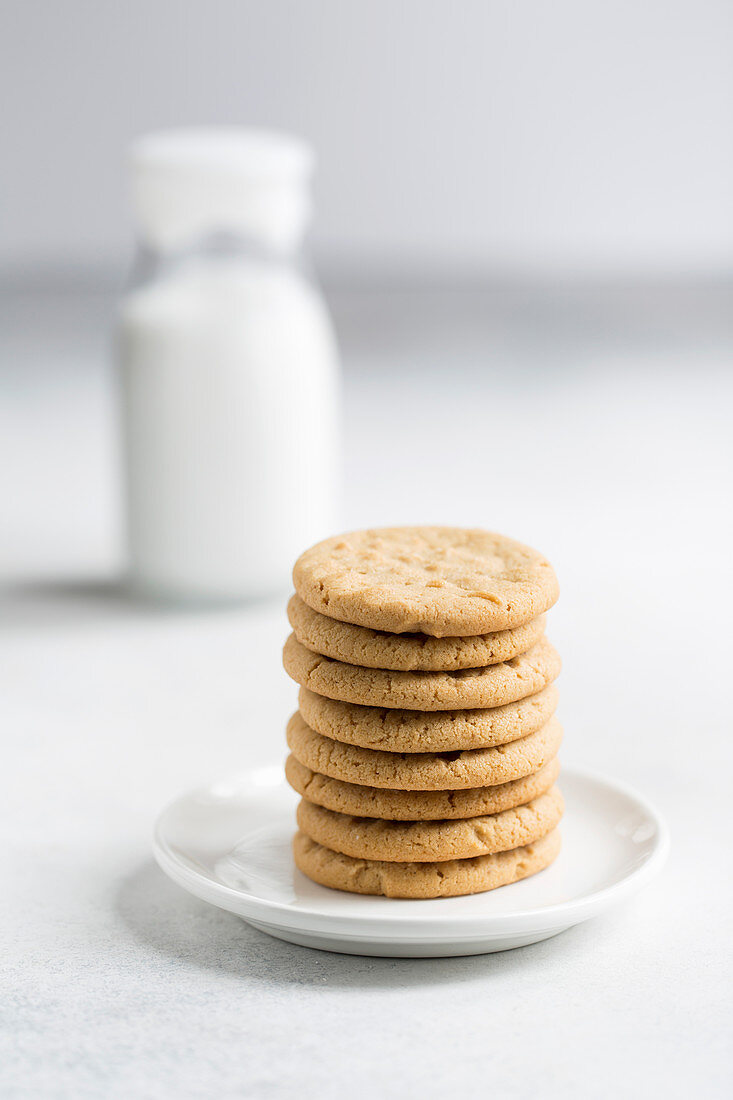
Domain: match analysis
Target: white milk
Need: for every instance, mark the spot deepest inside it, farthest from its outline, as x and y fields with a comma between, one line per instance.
x=229, y=382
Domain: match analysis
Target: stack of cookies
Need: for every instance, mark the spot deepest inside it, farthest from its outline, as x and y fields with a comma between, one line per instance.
x=424, y=747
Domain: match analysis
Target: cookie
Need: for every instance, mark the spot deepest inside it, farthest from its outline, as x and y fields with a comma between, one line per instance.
x=349, y=798
x=423, y=771
x=426, y=731
x=422, y=880
x=431, y=841
x=492, y=686
x=358, y=645
x=441, y=581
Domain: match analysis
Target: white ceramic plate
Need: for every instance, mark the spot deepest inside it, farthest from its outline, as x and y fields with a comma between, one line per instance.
x=229, y=843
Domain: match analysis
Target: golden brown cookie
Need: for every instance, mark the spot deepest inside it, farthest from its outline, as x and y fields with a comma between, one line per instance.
x=492, y=686
x=431, y=841
x=422, y=880
x=442, y=581
x=358, y=645
x=423, y=771
x=426, y=731
x=350, y=798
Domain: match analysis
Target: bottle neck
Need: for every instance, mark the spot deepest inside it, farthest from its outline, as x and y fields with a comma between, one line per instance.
x=220, y=249
x=226, y=243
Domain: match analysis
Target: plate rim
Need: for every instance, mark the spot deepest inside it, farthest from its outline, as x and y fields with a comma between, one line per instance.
x=412, y=926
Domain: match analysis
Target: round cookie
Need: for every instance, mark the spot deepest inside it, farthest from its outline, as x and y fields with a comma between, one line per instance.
x=427, y=731
x=442, y=581
x=349, y=798
x=492, y=686
x=422, y=880
x=358, y=645
x=423, y=771
x=431, y=841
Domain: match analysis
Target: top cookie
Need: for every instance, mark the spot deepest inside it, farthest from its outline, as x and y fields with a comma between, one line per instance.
x=441, y=581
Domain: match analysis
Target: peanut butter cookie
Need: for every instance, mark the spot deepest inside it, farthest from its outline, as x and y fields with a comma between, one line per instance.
x=447, y=879
x=469, y=688
x=426, y=731
x=423, y=771
x=442, y=581
x=358, y=645
x=360, y=801
x=431, y=841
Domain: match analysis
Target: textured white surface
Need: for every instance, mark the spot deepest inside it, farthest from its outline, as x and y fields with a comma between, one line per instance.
x=613, y=459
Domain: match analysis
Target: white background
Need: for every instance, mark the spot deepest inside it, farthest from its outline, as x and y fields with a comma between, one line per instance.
x=484, y=134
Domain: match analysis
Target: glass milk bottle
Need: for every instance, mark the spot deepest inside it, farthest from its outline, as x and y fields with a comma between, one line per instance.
x=228, y=368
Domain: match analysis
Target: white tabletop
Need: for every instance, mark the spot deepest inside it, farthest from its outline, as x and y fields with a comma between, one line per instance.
x=595, y=430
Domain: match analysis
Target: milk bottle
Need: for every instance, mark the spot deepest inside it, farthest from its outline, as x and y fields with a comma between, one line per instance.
x=228, y=369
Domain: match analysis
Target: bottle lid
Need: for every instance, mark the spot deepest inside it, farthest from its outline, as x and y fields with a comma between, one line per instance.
x=190, y=182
